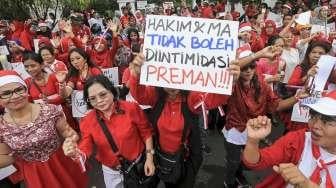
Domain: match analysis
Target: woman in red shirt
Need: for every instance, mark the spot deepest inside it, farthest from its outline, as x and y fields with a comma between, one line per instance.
x=270, y=68
x=44, y=87
x=126, y=123
x=307, y=68
x=268, y=30
x=251, y=97
x=173, y=111
x=101, y=54
x=301, y=158
x=48, y=56
x=81, y=68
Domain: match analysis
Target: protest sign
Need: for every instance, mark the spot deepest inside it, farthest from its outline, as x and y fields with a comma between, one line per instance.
x=325, y=66
x=78, y=104
x=20, y=69
x=303, y=18
x=7, y=171
x=320, y=28
x=276, y=18
x=4, y=50
x=112, y=74
x=189, y=53
x=36, y=46
x=141, y=5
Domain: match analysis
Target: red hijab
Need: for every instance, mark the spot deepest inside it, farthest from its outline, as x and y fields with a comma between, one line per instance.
x=264, y=35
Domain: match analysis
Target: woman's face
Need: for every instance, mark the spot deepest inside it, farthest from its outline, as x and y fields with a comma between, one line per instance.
x=323, y=132
x=287, y=19
x=247, y=73
x=133, y=36
x=13, y=96
x=32, y=67
x=77, y=60
x=100, y=98
x=315, y=55
x=269, y=29
x=288, y=37
x=47, y=56
x=305, y=32
x=278, y=46
x=99, y=46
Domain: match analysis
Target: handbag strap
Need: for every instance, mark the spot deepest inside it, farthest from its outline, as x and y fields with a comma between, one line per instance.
x=109, y=137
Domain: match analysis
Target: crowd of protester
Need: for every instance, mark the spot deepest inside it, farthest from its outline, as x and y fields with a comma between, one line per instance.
x=274, y=65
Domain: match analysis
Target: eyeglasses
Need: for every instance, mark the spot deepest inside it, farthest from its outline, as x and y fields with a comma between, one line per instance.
x=94, y=99
x=9, y=93
x=326, y=120
x=251, y=66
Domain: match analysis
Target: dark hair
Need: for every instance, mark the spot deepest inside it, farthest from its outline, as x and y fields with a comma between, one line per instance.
x=289, y=14
x=49, y=48
x=271, y=41
x=305, y=64
x=73, y=71
x=107, y=84
x=32, y=56
x=130, y=31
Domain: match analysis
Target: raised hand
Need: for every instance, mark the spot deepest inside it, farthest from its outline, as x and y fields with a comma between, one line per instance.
x=135, y=66
x=258, y=128
x=112, y=26
x=268, y=52
x=234, y=70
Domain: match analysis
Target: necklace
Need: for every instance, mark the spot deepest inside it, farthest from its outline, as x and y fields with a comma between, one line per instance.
x=31, y=116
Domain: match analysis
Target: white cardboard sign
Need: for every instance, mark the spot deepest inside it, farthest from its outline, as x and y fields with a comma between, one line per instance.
x=189, y=53
x=78, y=104
x=7, y=171
x=20, y=69
x=112, y=74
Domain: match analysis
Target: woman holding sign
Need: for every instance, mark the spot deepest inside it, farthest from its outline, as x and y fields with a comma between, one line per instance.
x=31, y=136
x=119, y=130
x=177, y=140
x=301, y=158
x=43, y=87
x=307, y=68
x=250, y=98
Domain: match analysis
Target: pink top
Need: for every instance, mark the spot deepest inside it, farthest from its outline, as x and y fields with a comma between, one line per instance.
x=37, y=140
x=264, y=67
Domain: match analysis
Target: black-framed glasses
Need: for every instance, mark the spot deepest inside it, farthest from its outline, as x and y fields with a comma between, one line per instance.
x=9, y=93
x=94, y=99
x=326, y=120
x=251, y=66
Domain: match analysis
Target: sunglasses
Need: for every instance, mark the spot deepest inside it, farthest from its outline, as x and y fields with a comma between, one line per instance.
x=326, y=120
x=251, y=66
x=9, y=93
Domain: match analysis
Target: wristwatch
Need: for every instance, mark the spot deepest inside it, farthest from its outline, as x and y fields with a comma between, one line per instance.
x=150, y=151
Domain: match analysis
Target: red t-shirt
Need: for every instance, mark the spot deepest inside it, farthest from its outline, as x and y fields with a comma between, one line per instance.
x=242, y=105
x=50, y=89
x=171, y=121
x=129, y=130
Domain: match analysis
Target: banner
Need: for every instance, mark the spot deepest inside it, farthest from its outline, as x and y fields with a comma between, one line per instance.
x=141, y=5
x=112, y=74
x=189, y=53
x=325, y=65
x=21, y=70
x=78, y=104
